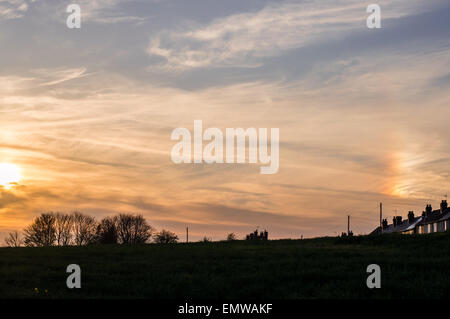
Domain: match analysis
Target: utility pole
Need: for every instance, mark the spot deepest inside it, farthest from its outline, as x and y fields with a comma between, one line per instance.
x=187, y=234
x=348, y=226
x=381, y=218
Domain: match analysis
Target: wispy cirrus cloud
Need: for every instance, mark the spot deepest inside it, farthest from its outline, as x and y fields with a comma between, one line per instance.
x=60, y=76
x=12, y=9
x=243, y=39
x=103, y=11
x=97, y=11
x=90, y=127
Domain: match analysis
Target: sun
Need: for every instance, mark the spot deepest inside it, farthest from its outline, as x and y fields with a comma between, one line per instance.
x=9, y=174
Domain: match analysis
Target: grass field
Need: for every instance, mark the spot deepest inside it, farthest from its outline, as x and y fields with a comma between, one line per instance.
x=412, y=267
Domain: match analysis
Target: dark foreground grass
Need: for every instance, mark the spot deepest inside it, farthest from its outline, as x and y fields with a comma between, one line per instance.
x=412, y=267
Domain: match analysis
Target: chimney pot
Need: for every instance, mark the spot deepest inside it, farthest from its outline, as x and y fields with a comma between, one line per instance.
x=444, y=206
x=410, y=216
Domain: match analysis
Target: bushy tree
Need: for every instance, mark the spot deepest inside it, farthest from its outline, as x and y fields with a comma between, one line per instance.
x=165, y=237
x=42, y=232
x=206, y=240
x=231, y=237
x=107, y=231
x=133, y=229
x=14, y=239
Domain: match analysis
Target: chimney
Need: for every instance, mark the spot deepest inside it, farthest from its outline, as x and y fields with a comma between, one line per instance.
x=427, y=211
x=444, y=206
x=397, y=220
x=410, y=217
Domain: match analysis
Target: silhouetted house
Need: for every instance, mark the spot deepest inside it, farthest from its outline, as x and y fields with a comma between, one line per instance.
x=255, y=236
x=435, y=220
x=431, y=221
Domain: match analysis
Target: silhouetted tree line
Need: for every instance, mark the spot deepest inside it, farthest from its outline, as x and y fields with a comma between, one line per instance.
x=59, y=229
x=77, y=229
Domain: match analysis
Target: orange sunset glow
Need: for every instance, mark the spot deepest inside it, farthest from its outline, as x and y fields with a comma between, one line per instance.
x=86, y=124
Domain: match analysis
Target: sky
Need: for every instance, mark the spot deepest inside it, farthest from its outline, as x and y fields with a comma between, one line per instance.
x=363, y=114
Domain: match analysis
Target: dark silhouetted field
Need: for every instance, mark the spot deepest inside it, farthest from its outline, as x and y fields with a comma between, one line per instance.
x=412, y=267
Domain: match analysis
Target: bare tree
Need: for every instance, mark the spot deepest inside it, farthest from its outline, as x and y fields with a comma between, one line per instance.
x=84, y=229
x=133, y=229
x=231, y=237
x=63, y=225
x=41, y=232
x=14, y=239
x=80, y=229
x=107, y=231
x=166, y=237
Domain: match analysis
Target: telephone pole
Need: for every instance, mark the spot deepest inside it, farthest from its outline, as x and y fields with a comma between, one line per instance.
x=187, y=234
x=348, y=225
x=381, y=218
